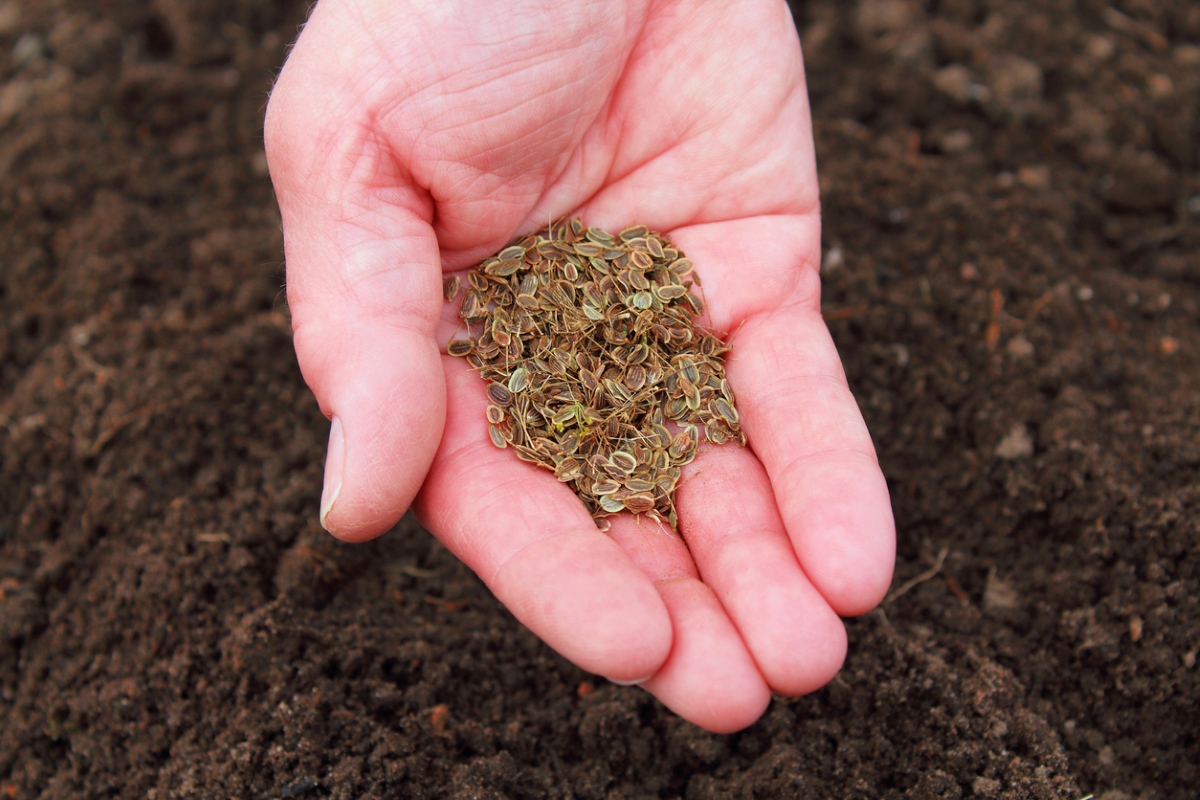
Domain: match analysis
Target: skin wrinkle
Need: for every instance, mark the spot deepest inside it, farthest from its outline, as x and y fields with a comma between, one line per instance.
x=358, y=293
x=792, y=465
x=494, y=579
x=797, y=289
x=715, y=115
x=754, y=413
x=775, y=353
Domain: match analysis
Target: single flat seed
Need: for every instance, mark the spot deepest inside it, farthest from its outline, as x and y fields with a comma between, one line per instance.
x=681, y=446
x=676, y=409
x=617, y=391
x=639, y=503
x=450, y=287
x=509, y=267
x=639, y=485
x=497, y=437
x=473, y=306
x=568, y=470
x=495, y=414
x=640, y=260
x=624, y=461
x=635, y=377
x=519, y=380
x=605, y=487
x=589, y=249
x=513, y=252
x=500, y=395
x=640, y=300
x=611, y=504
x=600, y=236
x=460, y=347
x=638, y=280
x=634, y=232
x=681, y=267
x=722, y=409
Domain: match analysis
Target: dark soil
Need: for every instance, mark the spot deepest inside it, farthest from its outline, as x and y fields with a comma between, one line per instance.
x=1012, y=210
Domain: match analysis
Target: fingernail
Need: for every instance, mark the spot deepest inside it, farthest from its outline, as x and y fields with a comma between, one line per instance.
x=638, y=682
x=335, y=458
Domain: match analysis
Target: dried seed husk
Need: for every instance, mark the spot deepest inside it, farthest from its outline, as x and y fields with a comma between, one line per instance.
x=639, y=503
x=605, y=487
x=497, y=437
x=640, y=485
x=519, y=380
x=500, y=395
x=460, y=347
x=610, y=504
x=724, y=410
x=623, y=461
x=568, y=469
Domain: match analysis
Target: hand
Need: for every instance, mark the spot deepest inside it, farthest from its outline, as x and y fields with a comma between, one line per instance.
x=411, y=140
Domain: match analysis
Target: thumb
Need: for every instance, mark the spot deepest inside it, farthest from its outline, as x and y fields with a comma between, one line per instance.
x=364, y=288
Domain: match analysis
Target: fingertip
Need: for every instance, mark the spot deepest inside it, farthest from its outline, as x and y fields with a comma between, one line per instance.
x=588, y=601
x=387, y=415
x=710, y=678
x=817, y=661
x=847, y=549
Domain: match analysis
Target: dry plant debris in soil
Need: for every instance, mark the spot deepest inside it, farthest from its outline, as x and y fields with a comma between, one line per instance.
x=595, y=366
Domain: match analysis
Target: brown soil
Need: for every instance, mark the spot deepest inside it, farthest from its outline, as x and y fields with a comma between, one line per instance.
x=1012, y=212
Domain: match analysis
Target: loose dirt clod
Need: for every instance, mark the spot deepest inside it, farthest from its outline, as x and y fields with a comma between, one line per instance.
x=596, y=368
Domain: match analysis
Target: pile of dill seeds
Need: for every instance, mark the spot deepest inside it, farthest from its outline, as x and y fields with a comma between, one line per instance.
x=595, y=367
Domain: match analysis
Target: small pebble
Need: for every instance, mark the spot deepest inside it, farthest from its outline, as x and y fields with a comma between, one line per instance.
x=1034, y=177
x=1020, y=348
x=1017, y=444
x=833, y=260
x=955, y=141
x=29, y=48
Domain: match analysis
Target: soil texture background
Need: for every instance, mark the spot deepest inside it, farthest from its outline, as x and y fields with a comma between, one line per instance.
x=1012, y=274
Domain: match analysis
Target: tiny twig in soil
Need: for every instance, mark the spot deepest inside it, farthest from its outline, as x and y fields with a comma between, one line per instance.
x=924, y=576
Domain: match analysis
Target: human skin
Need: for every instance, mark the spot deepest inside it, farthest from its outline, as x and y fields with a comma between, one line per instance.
x=407, y=141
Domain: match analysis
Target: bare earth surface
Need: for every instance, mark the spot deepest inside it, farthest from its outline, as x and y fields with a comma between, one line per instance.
x=1012, y=210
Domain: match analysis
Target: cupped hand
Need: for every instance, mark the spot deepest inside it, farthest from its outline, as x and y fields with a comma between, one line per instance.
x=410, y=140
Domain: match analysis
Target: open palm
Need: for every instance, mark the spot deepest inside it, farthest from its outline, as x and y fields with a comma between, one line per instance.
x=407, y=141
